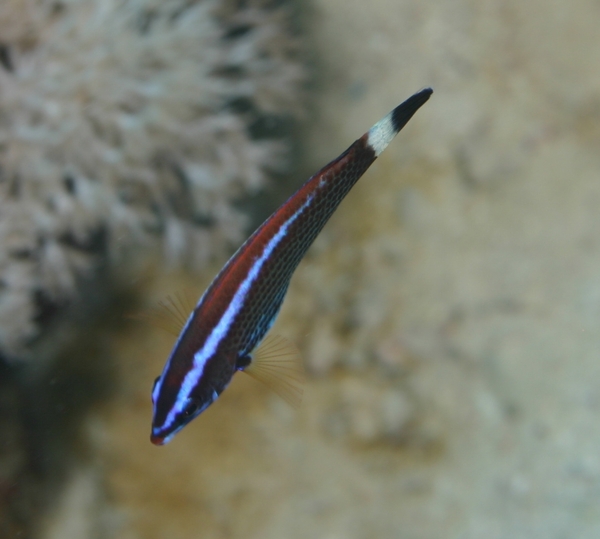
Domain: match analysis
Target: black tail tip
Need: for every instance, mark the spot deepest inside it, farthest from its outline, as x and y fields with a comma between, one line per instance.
x=405, y=110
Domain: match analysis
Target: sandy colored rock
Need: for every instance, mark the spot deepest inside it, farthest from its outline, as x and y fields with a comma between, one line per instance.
x=459, y=282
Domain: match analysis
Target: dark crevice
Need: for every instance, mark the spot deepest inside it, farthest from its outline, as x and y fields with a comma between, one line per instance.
x=94, y=242
x=22, y=253
x=46, y=307
x=237, y=31
x=230, y=72
x=69, y=183
x=269, y=126
x=6, y=57
x=145, y=20
x=240, y=105
x=203, y=220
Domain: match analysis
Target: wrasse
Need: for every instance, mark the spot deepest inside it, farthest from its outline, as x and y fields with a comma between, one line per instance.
x=224, y=332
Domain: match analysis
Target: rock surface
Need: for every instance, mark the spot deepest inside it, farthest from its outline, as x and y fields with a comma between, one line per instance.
x=448, y=315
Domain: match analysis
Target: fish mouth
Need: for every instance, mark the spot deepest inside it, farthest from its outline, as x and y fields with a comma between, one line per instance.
x=163, y=436
x=160, y=437
x=158, y=440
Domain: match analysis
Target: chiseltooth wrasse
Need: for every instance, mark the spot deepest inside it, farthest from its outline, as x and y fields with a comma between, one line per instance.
x=225, y=331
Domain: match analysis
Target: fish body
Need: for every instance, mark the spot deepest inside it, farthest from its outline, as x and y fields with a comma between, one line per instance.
x=239, y=307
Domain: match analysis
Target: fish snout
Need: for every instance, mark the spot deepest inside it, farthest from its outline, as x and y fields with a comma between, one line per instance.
x=157, y=440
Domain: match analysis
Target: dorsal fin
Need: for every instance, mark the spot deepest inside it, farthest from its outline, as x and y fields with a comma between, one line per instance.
x=171, y=313
x=277, y=363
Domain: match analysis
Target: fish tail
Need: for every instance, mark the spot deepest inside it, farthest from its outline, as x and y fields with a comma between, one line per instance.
x=383, y=132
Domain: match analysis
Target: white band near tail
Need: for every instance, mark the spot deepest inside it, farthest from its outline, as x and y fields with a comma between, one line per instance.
x=381, y=134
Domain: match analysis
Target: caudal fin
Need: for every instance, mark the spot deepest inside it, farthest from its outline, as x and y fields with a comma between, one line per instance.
x=382, y=133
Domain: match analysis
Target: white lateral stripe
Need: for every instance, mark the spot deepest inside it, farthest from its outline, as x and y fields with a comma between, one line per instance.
x=158, y=385
x=381, y=134
x=221, y=329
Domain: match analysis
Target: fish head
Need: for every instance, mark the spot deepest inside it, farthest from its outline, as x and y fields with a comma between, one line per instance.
x=166, y=426
x=180, y=395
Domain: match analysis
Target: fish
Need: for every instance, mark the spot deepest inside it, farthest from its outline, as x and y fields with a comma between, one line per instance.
x=227, y=329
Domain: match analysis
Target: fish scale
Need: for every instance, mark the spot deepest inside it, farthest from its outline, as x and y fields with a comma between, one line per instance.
x=239, y=307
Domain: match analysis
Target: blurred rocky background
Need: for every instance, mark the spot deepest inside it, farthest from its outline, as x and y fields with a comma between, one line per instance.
x=448, y=315
x=133, y=134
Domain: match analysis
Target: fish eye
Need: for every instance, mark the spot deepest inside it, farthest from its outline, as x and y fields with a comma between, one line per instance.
x=190, y=409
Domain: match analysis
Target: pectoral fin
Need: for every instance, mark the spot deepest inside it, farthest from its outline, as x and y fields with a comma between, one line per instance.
x=277, y=364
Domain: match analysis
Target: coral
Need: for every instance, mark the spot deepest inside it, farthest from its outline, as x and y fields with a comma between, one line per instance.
x=127, y=127
x=123, y=122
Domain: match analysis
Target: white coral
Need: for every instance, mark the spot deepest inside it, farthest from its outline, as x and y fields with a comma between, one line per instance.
x=125, y=120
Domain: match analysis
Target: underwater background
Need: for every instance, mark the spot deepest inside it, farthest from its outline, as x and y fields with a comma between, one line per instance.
x=448, y=315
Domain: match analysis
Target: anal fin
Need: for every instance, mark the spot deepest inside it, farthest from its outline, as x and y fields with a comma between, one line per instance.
x=277, y=363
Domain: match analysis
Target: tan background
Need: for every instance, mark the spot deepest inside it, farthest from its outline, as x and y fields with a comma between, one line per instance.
x=449, y=315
